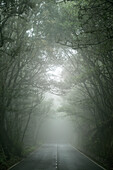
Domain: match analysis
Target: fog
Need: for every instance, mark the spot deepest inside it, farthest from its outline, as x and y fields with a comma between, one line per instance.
x=56, y=128
x=56, y=77
x=56, y=131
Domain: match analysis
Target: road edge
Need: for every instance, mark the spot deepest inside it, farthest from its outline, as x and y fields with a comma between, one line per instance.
x=23, y=158
x=15, y=164
x=89, y=158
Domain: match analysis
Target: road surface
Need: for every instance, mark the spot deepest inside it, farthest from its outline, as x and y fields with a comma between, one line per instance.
x=57, y=157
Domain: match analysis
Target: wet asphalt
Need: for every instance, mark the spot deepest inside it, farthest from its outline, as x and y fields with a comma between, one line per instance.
x=57, y=157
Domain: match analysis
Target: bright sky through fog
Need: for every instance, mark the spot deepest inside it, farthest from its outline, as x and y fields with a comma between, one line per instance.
x=55, y=73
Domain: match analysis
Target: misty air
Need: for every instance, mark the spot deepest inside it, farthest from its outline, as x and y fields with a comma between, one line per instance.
x=56, y=85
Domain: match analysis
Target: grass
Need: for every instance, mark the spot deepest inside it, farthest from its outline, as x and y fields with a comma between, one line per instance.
x=7, y=163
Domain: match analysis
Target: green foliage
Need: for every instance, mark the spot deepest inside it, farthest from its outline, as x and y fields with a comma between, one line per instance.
x=88, y=28
x=22, y=74
x=28, y=33
x=28, y=150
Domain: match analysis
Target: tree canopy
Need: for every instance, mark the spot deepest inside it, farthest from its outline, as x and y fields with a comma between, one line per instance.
x=38, y=35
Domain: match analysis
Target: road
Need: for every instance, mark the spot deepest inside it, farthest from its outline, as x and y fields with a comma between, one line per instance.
x=57, y=157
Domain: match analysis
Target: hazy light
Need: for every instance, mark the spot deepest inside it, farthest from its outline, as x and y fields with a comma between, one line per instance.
x=55, y=73
x=56, y=100
x=58, y=71
x=30, y=32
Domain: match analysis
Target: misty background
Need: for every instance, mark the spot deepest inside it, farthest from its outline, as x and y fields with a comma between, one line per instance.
x=56, y=77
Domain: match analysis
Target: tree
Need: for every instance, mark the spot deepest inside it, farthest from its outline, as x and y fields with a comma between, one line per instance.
x=22, y=74
x=87, y=28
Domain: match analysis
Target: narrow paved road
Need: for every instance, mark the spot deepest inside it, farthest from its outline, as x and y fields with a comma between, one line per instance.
x=57, y=157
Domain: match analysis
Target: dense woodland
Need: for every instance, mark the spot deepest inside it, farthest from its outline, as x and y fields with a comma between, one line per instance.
x=37, y=35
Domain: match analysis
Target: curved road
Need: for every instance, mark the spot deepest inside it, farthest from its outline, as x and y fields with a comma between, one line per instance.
x=57, y=157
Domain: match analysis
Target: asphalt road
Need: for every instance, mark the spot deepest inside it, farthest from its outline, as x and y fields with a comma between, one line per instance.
x=57, y=157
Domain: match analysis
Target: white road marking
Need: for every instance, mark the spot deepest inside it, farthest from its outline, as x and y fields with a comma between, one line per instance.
x=56, y=156
x=15, y=164
x=88, y=158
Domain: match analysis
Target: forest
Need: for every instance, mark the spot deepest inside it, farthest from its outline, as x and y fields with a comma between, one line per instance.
x=75, y=37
